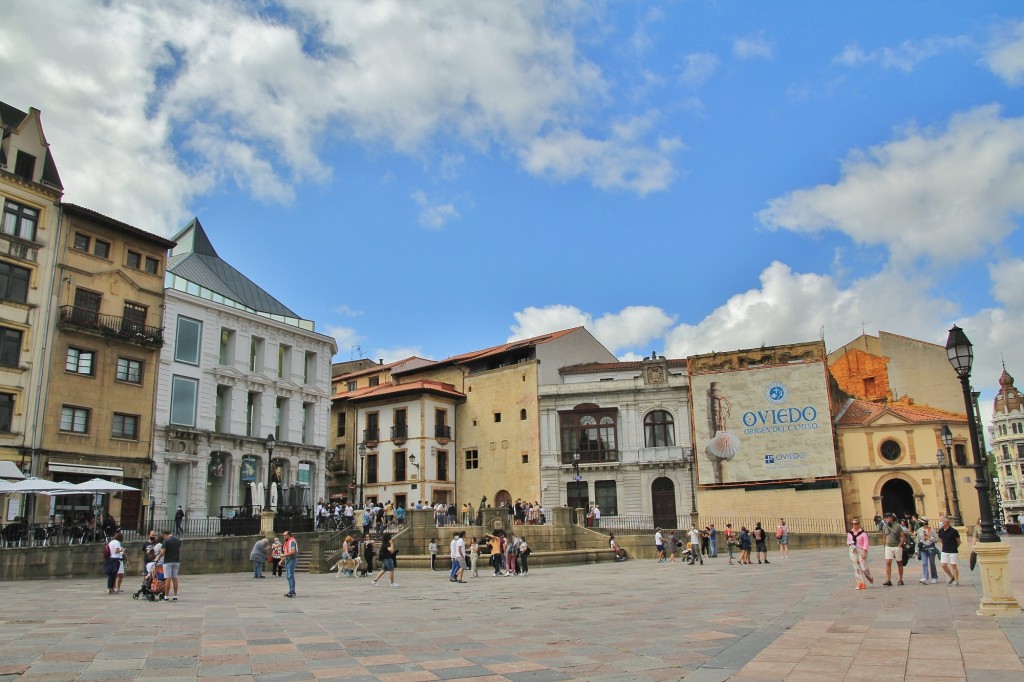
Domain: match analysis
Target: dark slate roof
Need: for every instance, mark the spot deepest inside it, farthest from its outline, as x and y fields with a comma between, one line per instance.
x=195, y=259
x=11, y=118
x=74, y=209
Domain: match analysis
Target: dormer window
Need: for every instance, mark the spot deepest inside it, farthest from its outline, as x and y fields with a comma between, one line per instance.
x=25, y=165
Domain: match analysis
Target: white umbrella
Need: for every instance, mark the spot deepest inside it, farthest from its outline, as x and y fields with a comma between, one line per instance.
x=100, y=485
x=38, y=485
x=9, y=470
x=5, y=486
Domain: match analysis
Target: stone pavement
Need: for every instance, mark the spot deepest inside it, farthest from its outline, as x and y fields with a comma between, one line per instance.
x=639, y=620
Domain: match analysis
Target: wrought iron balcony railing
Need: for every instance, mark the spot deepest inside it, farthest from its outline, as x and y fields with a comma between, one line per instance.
x=592, y=457
x=442, y=431
x=121, y=327
x=400, y=432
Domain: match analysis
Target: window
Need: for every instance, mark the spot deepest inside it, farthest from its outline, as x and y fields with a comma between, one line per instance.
x=1020, y=450
x=152, y=265
x=253, y=402
x=81, y=242
x=472, y=459
x=222, y=417
x=284, y=361
x=606, y=498
x=25, y=165
x=309, y=368
x=184, y=392
x=497, y=417
x=87, y=307
x=10, y=347
x=374, y=381
x=371, y=468
x=960, y=452
x=6, y=412
x=890, y=450
x=134, y=320
x=74, y=419
x=372, y=432
x=341, y=425
x=101, y=249
x=522, y=414
x=256, y=354
x=305, y=473
x=591, y=431
x=350, y=386
x=399, y=465
x=442, y=465
x=525, y=458
x=125, y=426
x=1006, y=451
x=129, y=370
x=134, y=260
x=79, y=361
x=1011, y=493
x=14, y=282
x=20, y=221
x=400, y=430
x=308, y=422
x=227, y=346
x=441, y=428
x=659, y=429
x=186, y=340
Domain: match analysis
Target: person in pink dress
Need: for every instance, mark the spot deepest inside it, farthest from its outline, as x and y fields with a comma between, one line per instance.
x=858, y=542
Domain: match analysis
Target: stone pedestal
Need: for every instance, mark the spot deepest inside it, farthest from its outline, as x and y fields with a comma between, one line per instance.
x=267, y=524
x=997, y=593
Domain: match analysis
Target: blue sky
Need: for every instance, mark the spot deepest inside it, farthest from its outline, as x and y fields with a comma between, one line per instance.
x=433, y=177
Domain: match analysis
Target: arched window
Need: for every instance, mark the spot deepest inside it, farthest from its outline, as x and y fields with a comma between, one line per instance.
x=659, y=429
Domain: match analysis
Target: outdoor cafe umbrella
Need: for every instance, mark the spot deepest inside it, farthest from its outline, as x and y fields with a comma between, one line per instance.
x=38, y=485
x=100, y=485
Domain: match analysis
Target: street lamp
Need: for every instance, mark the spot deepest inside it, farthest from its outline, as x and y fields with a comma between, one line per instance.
x=947, y=440
x=270, y=459
x=362, y=471
x=961, y=355
x=693, y=487
x=940, y=456
x=576, y=469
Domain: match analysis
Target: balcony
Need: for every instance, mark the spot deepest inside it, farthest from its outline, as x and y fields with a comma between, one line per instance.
x=109, y=325
x=371, y=437
x=442, y=432
x=592, y=457
x=399, y=433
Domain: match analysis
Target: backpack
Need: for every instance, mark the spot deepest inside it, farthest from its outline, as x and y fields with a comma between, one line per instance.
x=106, y=551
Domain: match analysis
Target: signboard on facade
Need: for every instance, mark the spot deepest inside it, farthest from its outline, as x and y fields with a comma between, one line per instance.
x=765, y=423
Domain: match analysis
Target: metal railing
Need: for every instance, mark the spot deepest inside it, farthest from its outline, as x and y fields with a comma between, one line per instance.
x=111, y=325
x=640, y=523
x=591, y=457
x=399, y=432
x=442, y=431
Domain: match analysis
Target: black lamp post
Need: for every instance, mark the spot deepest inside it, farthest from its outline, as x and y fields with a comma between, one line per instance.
x=362, y=471
x=576, y=469
x=693, y=486
x=961, y=355
x=947, y=440
x=270, y=463
x=940, y=457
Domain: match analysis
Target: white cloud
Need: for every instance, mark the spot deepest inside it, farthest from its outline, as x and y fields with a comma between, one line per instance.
x=753, y=47
x=346, y=337
x=631, y=327
x=1004, y=55
x=905, y=57
x=123, y=87
x=348, y=311
x=947, y=195
x=698, y=68
x=394, y=354
x=433, y=215
x=1008, y=282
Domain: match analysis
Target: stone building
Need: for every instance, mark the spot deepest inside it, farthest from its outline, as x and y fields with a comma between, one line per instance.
x=1007, y=437
x=630, y=424
x=103, y=358
x=30, y=192
x=237, y=366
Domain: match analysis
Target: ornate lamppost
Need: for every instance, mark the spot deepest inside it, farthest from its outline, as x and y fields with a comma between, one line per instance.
x=362, y=471
x=940, y=456
x=267, y=515
x=993, y=556
x=577, y=478
x=947, y=440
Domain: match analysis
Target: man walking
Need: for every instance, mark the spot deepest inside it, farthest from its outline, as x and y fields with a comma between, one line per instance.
x=894, y=537
x=659, y=544
x=950, y=539
x=179, y=520
x=170, y=557
x=695, y=553
x=290, y=556
x=458, y=552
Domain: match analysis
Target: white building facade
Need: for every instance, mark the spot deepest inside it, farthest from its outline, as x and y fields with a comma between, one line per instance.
x=236, y=367
x=630, y=424
x=1007, y=438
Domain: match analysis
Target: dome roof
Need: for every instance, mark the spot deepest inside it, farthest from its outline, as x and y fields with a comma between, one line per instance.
x=1009, y=399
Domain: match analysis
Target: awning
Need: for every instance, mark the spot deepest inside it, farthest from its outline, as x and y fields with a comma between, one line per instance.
x=10, y=470
x=116, y=472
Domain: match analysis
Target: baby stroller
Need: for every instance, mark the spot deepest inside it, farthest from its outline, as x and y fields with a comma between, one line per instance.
x=152, y=588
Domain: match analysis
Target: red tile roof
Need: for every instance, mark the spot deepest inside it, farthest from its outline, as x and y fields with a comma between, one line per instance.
x=862, y=412
x=588, y=367
x=496, y=350
x=389, y=390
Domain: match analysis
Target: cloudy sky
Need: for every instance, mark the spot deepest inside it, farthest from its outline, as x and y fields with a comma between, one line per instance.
x=426, y=177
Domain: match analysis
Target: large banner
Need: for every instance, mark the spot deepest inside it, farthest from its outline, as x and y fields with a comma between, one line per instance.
x=763, y=424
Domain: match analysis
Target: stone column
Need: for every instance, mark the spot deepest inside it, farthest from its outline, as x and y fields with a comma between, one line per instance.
x=997, y=593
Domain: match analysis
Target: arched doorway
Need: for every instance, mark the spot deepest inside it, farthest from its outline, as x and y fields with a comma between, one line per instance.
x=663, y=502
x=898, y=498
x=503, y=498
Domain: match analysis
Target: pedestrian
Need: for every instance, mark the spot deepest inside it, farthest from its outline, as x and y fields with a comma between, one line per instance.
x=659, y=544
x=695, y=548
x=170, y=553
x=713, y=541
x=894, y=538
x=113, y=552
x=258, y=557
x=858, y=542
x=369, y=551
x=524, y=556
x=387, y=560
x=453, y=552
x=878, y=523
x=347, y=564
x=620, y=554
x=744, y=545
x=290, y=557
x=926, y=553
x=460, y=556
x=432, y=548
x=949, y=539
x=782, y=535
x=179, y=520
x=705, y=541
x=761, y=542
x=474, y=556
x=672, y=547
x=276, y=567
x=149, y=551
x=730, y=541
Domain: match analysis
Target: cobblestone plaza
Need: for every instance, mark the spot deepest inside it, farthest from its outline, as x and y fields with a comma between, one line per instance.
x=793, y=619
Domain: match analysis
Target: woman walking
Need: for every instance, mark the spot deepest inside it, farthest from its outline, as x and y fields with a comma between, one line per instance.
x=925, y=537
x=113, y=564
x=474, y=556
x=782, y=535
x=744, y=545
x=276, y=549
x=858, y=542
x=387, y=560
x=432, y=548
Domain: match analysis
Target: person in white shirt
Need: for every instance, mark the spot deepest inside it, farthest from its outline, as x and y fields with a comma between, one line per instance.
x=458, y=554
x=695, y=554
x=114, y=566
x=659, y=544
x=597, y=516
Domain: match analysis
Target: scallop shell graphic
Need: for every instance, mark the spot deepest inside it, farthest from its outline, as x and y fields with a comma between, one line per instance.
x=723, y=446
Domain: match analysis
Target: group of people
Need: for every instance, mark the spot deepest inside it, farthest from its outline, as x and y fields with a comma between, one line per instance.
x=900, y=540
x=509, y=555
x=161, y=560
x=703, y=542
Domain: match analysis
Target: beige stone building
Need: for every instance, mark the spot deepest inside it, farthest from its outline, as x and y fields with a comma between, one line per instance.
x=98, y=404
x=30, y=192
